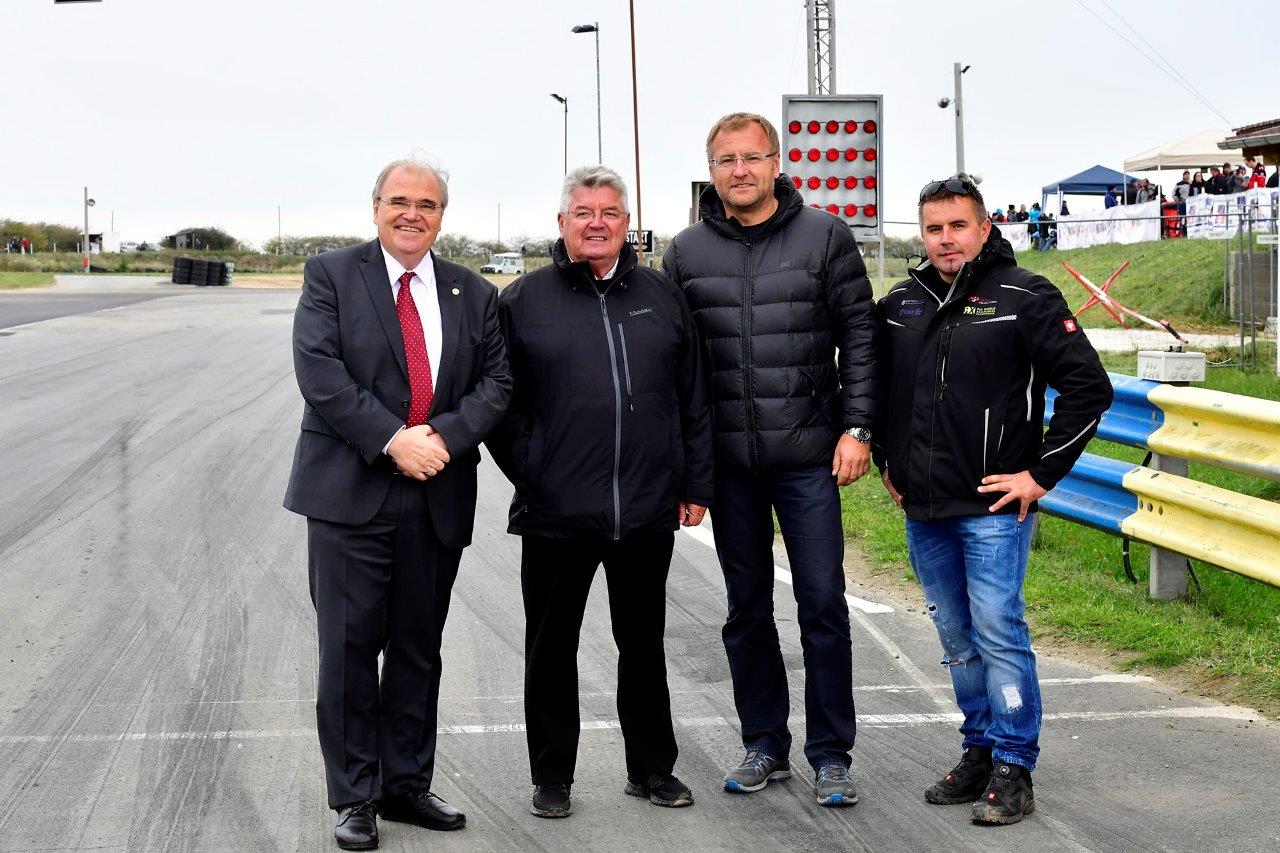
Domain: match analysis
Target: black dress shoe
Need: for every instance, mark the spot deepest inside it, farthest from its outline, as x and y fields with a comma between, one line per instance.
x=357, y=827
x=424, y=809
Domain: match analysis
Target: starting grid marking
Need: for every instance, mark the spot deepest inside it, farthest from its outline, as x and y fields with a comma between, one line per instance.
x=1221, y=712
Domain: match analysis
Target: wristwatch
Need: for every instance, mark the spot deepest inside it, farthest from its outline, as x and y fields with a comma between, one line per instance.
x=860, y=433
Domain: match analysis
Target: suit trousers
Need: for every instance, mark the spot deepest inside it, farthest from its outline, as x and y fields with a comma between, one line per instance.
x=555, y=576
x=380, y=588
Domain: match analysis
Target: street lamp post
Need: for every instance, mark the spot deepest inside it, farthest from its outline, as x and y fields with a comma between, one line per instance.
x=635, y=120
x=595, y=28
x=565, y=101
x=946, y=102
x=88, y=203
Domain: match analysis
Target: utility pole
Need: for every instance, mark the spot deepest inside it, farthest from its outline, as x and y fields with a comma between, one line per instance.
x=821, y=42
x=959, y=74
x=279, y=232
x=635, y=120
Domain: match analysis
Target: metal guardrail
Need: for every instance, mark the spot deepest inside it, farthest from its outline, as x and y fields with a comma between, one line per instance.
x=1160, y=506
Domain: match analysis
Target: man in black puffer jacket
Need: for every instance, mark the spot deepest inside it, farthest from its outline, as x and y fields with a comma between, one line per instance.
x=608, y=443
x=777, y=288
x=970, y=343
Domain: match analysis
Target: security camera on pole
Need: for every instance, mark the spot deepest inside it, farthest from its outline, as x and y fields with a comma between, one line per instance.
x=946, y=102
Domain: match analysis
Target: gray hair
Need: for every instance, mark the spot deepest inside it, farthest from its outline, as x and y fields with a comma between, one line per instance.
x=592, y=177
x=420, y=162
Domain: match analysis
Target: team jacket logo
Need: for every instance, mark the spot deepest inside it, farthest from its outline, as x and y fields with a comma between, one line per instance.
x=975, y=311
x=911, y=308
x=639, y=311
x=1070, y=325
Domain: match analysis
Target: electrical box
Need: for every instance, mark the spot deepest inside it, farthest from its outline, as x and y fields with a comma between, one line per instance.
x=1171, y=366
x=831, y=150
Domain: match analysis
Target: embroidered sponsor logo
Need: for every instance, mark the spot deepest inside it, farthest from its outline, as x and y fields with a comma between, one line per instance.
x=910, y=310
x=974, y=311
x=1070, y=325
x=639, y=311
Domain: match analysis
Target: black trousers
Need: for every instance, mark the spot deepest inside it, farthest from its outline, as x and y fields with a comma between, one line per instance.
x=555, y=576
x=379, y=588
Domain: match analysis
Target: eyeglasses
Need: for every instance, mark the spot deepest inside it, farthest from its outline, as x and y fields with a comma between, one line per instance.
x=403, y=205
x=751, y=160
x=955, y=186
x=609, y=214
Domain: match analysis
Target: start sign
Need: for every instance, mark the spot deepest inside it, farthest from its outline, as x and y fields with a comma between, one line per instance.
x=831, y=151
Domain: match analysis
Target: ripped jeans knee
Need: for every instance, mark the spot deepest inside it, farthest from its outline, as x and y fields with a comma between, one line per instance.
x=957, y=647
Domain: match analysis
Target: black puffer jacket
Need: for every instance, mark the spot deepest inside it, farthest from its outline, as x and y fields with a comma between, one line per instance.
x=609, y=427
x=964, y=375
x=772, y=313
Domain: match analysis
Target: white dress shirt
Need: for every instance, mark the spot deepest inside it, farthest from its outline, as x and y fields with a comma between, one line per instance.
x=427, y=300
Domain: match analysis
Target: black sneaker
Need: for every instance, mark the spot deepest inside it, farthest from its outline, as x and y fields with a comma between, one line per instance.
x=966, y=781
x=662, y=790
x=1008, y=796
x=551, y=801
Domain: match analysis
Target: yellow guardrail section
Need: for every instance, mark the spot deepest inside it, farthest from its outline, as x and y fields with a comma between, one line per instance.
x=1216, y=525
x=1224, y=430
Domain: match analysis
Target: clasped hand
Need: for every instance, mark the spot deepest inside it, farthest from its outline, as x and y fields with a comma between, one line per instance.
x=419, y=452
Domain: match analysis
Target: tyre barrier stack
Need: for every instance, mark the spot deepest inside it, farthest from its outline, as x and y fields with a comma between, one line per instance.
x=202, y=272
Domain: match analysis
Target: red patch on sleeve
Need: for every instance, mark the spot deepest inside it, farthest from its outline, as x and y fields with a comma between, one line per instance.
x=1070, y=325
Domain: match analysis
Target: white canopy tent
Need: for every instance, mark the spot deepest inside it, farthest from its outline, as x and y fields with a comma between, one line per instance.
x=1197, y=151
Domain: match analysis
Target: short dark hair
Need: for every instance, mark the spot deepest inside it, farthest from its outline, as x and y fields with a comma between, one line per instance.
x=942, y=194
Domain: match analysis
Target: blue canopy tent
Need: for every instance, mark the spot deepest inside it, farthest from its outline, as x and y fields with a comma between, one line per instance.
x=1095, y=180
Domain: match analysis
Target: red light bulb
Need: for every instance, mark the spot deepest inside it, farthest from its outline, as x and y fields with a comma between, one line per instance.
x=869, y=210
x=850, y=210
x=815, y=154
x=869, y=126
x=833, y=126
x=851, y=182
x=850, y=126
x=799, y=182
x=814, y=183
x=814, y=127
x=833, y=183
x=794, y=127
x=833, y=153
x=833, y=209
x=869, y=154
x=869, y=182
x=851, y=154
x=795, y=154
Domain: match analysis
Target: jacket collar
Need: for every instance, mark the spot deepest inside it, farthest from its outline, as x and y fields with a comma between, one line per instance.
x=578, y=274
x=713, y=212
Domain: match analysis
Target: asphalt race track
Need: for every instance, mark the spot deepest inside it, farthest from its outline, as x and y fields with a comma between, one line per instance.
x=157, y=648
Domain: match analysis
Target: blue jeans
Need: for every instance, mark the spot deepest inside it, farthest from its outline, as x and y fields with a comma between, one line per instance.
x=972, y=570
x=807, y=503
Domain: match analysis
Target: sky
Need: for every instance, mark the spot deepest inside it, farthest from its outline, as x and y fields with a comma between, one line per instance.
x=176, y=113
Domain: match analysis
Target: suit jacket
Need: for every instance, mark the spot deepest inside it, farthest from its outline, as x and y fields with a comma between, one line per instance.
x=348, y=356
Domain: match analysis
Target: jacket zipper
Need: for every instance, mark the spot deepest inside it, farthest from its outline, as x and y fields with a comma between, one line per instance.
x=617, y=416
x=986, y=425
x=626, y=367
x=748, y=398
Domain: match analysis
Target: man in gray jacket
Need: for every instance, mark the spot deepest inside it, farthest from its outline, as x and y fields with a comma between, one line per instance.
x=776, y=288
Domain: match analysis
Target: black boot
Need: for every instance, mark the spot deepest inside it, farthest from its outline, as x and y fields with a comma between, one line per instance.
x=966, y=781
x=1008, y=796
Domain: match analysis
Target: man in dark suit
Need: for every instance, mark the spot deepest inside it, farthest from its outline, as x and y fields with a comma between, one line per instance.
x=404, y=372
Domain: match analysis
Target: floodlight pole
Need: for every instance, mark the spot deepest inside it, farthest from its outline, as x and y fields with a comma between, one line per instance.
x=959, y=73
x=88, y=203
x=635, y=120
x=595, y=28
x=564, y=100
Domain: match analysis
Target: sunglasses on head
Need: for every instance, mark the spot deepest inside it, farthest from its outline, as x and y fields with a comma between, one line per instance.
x=955, y=186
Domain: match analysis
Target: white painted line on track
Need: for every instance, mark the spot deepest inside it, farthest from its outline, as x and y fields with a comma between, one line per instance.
x=1213, y=712
x=704, y=536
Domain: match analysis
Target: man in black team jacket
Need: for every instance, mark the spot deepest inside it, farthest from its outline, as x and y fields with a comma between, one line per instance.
x=969, y=343
x=777, y=288
x=608, y=443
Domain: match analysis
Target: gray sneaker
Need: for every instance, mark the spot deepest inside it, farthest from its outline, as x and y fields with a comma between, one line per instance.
x=756, y=771
x=834, y=787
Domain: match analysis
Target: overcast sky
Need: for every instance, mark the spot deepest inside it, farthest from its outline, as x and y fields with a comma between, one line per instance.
x=178, y=113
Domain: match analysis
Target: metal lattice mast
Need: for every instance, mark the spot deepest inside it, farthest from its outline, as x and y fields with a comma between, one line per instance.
x=821, y=41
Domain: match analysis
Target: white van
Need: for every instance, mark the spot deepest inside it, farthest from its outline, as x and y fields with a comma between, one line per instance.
x=505, y=263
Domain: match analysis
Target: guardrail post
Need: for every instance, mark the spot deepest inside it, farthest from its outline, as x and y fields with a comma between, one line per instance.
x=1168, y=578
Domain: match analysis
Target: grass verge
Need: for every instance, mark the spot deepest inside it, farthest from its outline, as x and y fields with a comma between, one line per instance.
x=1222, y=641
x=16, y=280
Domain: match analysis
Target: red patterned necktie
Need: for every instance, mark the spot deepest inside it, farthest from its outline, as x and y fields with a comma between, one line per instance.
x=415, y=353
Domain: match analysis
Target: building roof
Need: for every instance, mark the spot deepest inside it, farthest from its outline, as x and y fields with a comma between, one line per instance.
x=1253, y=136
